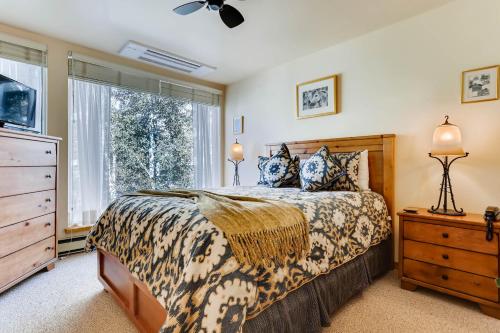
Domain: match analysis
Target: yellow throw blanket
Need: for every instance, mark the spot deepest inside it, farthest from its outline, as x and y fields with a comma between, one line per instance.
x=259, y=231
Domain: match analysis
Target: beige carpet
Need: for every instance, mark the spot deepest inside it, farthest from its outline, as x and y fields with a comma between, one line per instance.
x=70, y=299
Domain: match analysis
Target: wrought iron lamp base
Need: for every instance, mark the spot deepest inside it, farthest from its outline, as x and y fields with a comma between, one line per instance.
x=446, y=189
x=449, y=212
x=236, y=179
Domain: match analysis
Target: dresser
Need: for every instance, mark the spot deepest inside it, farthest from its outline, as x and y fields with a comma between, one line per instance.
x=28, y=187
x=450, y=254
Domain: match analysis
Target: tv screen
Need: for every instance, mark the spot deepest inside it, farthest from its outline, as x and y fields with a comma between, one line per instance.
x=17, y=103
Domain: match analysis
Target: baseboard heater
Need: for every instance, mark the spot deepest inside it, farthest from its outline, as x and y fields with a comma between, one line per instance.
x=71, y=245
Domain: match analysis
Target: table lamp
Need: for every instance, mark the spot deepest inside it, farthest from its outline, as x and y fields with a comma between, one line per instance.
x=236, y=157
x=447, y=148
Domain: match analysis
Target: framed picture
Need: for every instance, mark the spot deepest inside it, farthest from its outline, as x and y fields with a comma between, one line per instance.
x=479, y=85
x=317, y=98
x=238, y=125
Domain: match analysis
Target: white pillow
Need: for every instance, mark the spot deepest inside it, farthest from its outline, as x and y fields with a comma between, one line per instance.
x=364, y=172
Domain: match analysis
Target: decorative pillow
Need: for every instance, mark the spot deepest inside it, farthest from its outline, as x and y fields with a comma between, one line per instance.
x=349, y=162
x=261, y=162
x=319, y=171
x=364, y=172
x=295, y=182
x=280, y=169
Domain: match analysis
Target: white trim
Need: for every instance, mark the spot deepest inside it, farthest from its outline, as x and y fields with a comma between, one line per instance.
x=23, y=42
x=134, y=71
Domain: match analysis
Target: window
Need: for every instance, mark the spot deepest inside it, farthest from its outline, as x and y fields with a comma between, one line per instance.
x=27, y=65
x=126, y=138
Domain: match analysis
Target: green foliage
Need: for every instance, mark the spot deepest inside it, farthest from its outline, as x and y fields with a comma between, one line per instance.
x=151, y=142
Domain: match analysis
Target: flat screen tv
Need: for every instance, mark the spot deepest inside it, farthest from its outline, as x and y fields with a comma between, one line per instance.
x=17, y=103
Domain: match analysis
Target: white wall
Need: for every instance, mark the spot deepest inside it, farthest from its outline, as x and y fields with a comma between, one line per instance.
x=401, y=79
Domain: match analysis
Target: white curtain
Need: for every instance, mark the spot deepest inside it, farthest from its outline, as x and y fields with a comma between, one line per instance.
x=91, y=105
x=206, y=146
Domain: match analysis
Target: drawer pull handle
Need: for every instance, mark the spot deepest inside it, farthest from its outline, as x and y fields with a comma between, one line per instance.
x=48, y=152
x=48, y=224
x=48, y=200
x=444, y=277
x=49, y=248
x=35, y=264
x=48, y=176
x=445, y=235
x=445, y=257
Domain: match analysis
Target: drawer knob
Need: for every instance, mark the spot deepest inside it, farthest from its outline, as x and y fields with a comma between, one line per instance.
x=48, y=224
x=47, y=200
x=48, y=176
x=27, y=224
x=444, y=277
x=445, y=235
x=445, y=256
x=48, y=152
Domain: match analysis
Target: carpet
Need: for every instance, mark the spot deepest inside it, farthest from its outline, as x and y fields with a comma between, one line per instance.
x=71, y=299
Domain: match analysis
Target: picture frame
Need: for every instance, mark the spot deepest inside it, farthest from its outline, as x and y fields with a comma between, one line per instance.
x=480, y=84
x=317, y=98
x=238, y=125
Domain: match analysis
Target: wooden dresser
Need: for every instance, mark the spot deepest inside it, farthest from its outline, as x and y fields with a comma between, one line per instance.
x=451, y=255
x=28, y=185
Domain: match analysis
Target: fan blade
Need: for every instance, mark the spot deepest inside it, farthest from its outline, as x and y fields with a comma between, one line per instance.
x=189, y=8
x=231, y=16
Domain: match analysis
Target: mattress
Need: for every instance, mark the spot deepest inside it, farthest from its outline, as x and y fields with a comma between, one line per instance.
x=187, y=264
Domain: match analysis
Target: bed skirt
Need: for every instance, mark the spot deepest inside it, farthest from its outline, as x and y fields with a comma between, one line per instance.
x=309, y=308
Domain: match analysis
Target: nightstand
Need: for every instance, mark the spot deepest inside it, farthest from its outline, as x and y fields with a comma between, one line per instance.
x=451, y=255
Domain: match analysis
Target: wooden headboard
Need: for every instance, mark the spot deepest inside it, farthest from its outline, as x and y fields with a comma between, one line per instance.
x=380, y=158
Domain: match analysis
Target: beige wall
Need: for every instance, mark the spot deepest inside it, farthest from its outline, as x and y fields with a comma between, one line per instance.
x=58, y=97
x=401, y=79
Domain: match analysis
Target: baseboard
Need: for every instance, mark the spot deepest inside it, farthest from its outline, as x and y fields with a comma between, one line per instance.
x=72, y=245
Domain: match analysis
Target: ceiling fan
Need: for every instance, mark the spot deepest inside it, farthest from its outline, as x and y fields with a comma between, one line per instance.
x=229, y=15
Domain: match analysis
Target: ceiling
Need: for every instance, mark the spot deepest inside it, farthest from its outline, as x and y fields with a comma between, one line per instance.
x=274, y=31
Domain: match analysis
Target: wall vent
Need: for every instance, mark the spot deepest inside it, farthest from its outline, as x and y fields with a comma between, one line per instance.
x=164, y=59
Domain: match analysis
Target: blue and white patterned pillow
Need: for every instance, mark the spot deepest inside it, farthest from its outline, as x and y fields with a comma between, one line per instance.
x=280, y=169
x=320, y=171
x=262, y=160
x=349, y=162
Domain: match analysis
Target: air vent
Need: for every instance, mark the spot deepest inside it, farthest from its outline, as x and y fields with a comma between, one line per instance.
x=164, y=59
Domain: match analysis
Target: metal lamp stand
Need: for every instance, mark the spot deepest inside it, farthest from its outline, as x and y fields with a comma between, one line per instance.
x=236, y=179
x=446, y=188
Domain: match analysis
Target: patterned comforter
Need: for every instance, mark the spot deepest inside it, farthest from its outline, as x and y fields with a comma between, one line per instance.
x=188, y=266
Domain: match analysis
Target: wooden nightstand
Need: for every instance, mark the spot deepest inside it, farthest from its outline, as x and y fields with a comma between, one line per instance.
x=451, y=255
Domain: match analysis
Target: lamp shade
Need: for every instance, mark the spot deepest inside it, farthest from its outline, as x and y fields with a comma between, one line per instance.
x=236, y=152
x=447, y=140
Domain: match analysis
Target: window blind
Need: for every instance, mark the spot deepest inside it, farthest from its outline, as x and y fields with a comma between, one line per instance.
x=93, y=72
x=23, y=53
x=185, y=92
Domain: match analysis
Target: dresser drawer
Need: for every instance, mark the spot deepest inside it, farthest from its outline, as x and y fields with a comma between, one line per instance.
x=467, y=283
x=20, y=235
x=19, y=180
x=466, y=239
x=473, y=262
x=21, y=152
x=21, y=262
x=23, y=207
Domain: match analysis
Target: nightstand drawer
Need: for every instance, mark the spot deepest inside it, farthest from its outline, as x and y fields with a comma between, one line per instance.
x=466, y=239
x=467, y=283
x=472, y=262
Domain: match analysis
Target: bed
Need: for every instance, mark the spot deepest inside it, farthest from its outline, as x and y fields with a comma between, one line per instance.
x=170, y=269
